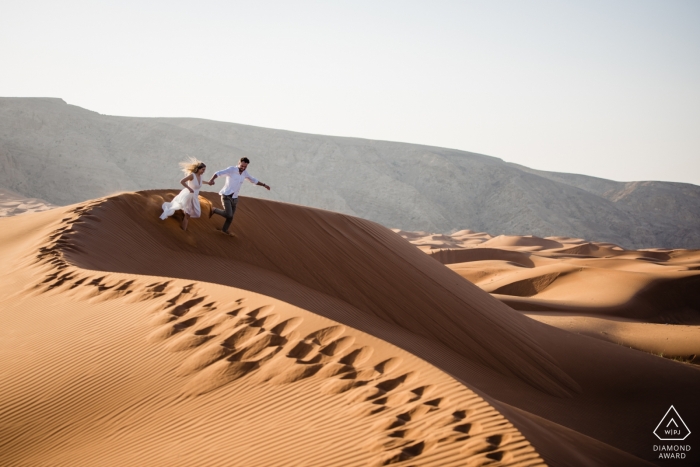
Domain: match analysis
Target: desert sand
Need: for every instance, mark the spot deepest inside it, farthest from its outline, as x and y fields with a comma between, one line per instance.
x=644, y=299
x=312, y=338
x=13, y=204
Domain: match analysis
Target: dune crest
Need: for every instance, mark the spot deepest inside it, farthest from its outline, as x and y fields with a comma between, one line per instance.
x=339, y=256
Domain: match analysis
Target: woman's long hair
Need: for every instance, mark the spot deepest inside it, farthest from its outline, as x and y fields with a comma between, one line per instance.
x=192, y=165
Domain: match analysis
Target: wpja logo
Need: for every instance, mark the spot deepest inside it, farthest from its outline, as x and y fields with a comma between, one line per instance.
x=672, y=428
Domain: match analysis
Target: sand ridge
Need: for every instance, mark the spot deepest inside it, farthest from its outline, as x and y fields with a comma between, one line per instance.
x=360, y=260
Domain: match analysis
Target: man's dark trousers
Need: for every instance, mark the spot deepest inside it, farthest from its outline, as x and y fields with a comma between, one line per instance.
x=229, y=203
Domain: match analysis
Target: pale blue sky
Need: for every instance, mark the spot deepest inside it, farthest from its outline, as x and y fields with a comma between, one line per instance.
x=603, y=88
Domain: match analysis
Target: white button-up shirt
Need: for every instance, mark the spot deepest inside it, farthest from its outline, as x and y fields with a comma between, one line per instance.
x=234, y=180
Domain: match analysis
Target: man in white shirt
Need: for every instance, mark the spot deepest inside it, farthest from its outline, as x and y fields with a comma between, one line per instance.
x=229, y=193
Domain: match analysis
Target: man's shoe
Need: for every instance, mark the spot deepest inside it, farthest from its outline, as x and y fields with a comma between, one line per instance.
x=230, y=234
x=211, y=212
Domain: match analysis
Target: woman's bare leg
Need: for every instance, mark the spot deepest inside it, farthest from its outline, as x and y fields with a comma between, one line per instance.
x=185, y=221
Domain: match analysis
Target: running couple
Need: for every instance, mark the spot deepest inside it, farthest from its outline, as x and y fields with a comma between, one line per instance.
x=188, y=199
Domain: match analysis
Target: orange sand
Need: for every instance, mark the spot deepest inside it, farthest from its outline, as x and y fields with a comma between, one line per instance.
x=313, y=338
x=647, y=299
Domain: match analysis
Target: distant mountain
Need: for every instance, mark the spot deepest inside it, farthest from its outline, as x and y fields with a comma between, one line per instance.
x=65, y=154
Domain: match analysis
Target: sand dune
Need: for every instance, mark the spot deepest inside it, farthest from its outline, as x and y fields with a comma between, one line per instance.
x=595, y=289
x=128, y=369
x=313, y=338
x=12, y=204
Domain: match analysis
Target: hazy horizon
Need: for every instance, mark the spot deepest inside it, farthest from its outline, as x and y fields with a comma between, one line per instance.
x=602, y=89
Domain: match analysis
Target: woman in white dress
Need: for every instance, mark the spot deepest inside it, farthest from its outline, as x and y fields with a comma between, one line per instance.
x=188, y=199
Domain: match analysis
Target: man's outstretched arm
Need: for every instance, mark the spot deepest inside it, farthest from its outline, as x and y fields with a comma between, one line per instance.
x=255, y=181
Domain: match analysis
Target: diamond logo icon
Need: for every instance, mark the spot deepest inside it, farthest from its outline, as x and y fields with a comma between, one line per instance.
x=672, y=427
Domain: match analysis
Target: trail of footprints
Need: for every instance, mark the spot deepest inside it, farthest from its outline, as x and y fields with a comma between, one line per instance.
x=412, y=419
x=58, y=274
x=225, y=343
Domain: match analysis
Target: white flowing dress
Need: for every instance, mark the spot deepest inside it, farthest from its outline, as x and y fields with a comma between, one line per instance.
x=188, y=202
